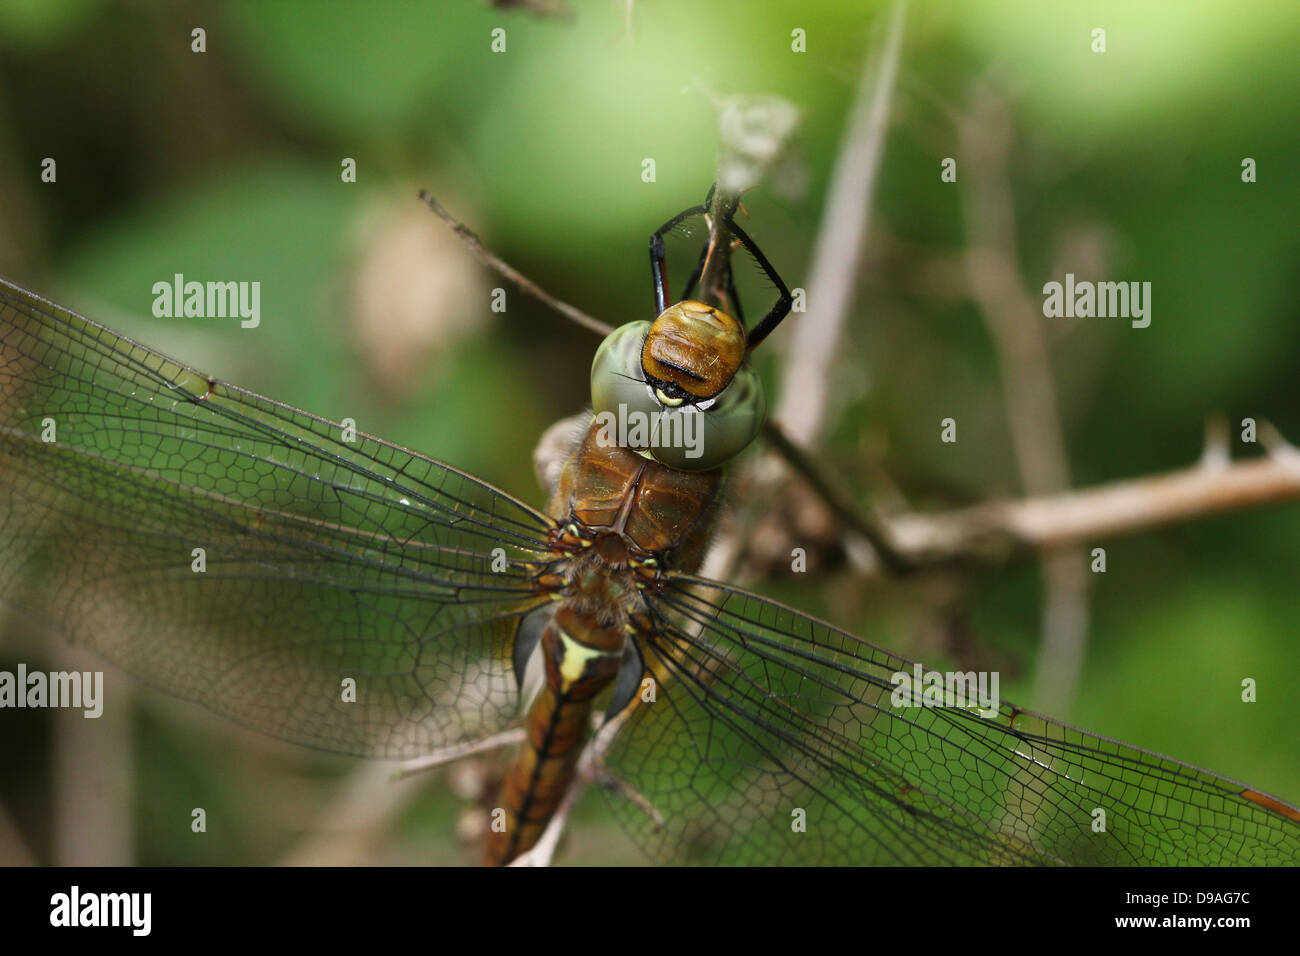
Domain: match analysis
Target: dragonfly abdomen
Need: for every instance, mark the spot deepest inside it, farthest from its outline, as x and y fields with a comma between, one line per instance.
x=581, y=659
x=612, y=503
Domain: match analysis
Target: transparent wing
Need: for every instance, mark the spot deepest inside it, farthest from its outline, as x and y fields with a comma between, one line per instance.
x=773, y=739
x=249, y=556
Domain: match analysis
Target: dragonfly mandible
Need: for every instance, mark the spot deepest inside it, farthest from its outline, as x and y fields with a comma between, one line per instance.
x=331, y=557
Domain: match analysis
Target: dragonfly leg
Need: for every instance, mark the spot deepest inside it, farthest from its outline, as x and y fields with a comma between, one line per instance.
x=783, y=304
x=616, y=784
x=658, y=267
x=594, y=769
x=737, y=312
x=448, y=755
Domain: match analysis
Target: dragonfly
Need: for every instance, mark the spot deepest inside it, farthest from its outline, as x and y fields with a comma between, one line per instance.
x=329, y=588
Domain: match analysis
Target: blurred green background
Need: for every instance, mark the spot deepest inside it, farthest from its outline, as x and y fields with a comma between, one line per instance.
x=1124, y=165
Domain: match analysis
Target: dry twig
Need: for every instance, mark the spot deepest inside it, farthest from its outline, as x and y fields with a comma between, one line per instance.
x=524, y=284
x=1002, y=529
x=817, y=336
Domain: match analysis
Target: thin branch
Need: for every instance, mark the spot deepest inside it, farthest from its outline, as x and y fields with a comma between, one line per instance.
x=844, y=509
x=1029, y=393
x=713, y=277
x=1217, y=454
x=817, y=335
x=995, y=280
x=348, y=830
x=754, y=135
x=1000, y=529
x=522, y=282
x=93, y=774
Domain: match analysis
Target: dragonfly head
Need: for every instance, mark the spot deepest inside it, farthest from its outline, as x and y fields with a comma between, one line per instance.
x=692, y=352
x=686, y=370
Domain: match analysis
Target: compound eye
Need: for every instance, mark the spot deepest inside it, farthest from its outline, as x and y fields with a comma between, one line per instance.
x=616, y=374
x=727, y=424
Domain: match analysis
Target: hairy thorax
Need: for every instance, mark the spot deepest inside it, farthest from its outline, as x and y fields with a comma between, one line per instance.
x=624, y=519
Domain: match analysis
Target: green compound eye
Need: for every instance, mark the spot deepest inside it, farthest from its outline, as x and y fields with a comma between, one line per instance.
x=688, y=437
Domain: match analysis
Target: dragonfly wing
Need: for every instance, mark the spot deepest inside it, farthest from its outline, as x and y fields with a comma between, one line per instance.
x=327, y=588
x=775, y=738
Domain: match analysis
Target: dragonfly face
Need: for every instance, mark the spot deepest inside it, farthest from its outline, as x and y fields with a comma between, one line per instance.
x=260, y=560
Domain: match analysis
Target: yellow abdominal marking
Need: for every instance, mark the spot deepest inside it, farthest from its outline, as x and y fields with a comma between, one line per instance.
x=575, y=658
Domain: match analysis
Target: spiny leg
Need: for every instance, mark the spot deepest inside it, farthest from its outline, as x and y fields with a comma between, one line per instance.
x=782, y=308
x=736, y=311
x=658, y=267
x=447, y=755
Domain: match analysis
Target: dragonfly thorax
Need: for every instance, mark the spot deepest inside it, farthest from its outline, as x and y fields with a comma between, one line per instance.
x=646, y=515
x=612, y=549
